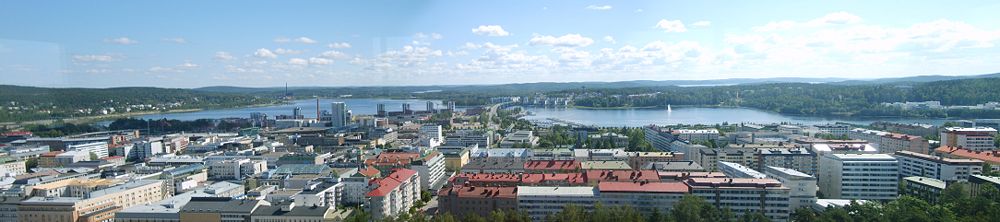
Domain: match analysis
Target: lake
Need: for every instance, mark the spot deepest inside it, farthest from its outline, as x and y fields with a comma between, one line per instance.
x=691, y=115
x=599, y=117
x=308, y=106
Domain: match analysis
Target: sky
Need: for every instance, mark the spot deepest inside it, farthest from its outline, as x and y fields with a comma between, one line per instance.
x=188, y=44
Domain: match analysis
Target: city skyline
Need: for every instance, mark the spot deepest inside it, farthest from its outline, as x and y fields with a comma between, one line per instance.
x=458, y=43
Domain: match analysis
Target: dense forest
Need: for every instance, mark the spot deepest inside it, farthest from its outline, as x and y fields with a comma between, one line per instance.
x=811, y=99
x=19, y=103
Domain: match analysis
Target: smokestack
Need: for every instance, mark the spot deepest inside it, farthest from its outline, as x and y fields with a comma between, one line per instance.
x=317, y=109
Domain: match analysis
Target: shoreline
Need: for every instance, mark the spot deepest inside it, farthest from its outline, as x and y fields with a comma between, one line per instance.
x=91, y=119
x=848, y=117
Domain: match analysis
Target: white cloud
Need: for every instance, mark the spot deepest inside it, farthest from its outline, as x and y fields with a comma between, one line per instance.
x=121, y=41
x=188, y=65
x=223, y=56
x=671, y=25
x=282, y=51
x=265, y=53
x=339, y=45
x=599, y=7
x=433, y=35
x=320, y=61
x=568, y=40
x=638, y=10
x=177, y=40
x=334, y=54
x=298, y=61
x=610, y=39
x=305, y=40
x=701, y=24
x=490, y=30
x=93, y=58
x=836, y=18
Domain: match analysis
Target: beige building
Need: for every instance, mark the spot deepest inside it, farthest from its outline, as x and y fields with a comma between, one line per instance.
x=639, y=159
x=82, y=201
x=12, y=166
x=888, y=142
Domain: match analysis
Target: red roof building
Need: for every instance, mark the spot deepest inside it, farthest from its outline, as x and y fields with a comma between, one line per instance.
x=551, y=166
x=643, y=187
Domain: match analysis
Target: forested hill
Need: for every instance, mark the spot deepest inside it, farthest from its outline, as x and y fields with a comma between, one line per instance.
x=19, y=103
x=812, y=99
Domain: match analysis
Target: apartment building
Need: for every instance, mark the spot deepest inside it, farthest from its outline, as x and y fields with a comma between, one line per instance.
x=888, y=142
x=539, y=202
x=859, y=176
x=975, y=139
x=696, y=135
x=391, y=195
x=461, y=200
x=235, y=169
x=89, y=200
x=941, y=168
x=743, y=196
x=802, y=187
x=799, y=159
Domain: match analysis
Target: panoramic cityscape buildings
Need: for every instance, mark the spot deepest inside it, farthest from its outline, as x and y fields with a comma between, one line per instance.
x=512, y=111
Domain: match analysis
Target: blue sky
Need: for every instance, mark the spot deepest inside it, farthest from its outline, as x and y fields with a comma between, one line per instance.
x=361, y=43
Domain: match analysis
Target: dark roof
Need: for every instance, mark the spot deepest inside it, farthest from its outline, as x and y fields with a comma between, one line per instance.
x=299, y=211
x=219, y=204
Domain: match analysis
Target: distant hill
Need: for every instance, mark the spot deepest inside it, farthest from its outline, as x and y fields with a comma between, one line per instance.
x=915, y=79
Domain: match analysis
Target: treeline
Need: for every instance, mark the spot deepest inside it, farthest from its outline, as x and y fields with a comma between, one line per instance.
x=18, y=103
x=161, y=126
x=59, y=129
x=812, y=99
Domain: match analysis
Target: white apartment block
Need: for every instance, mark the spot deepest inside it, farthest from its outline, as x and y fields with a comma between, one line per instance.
x=391, y=195
x=97, y=148
x=355, y=188
x=859, y=176
x=432, y=132
x=645, y=197
x=736, y=170
x=975, y=139
x=799, y=159
x=235, y=169
x=696, y=135
x=469, y=137
x=835, y=129
x=431, y=170
x=802, y=186
x=945, y=169
x=743, y=196
x=540, y=202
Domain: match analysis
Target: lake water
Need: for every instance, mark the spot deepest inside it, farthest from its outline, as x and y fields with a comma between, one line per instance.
x=357, y=107
x=691, y=115
x=609, y=117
